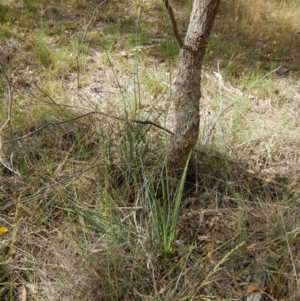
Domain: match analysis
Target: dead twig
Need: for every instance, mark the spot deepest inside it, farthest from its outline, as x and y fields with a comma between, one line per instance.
x=149, y=122
x=7, y=121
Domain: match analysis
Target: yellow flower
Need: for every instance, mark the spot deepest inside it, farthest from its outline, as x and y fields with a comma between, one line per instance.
x=3, y=230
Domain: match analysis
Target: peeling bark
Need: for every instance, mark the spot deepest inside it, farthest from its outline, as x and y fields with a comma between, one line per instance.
x=187, y=85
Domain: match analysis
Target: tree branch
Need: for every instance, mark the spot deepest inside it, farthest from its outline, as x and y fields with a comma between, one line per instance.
x=173, y=21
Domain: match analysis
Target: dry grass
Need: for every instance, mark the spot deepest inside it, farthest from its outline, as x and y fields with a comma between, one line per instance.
x=238, y=218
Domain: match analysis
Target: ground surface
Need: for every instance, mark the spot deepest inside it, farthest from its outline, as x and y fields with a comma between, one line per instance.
x=75, y=173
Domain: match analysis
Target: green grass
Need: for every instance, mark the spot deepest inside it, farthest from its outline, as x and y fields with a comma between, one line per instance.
x=88, y=201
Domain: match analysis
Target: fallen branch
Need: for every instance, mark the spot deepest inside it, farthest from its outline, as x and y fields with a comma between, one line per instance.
x=85, y=115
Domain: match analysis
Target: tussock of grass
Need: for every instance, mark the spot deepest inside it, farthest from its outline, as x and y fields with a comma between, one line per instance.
x=76, y=194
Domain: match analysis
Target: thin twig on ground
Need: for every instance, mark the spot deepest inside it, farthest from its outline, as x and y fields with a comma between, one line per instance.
x=7, y=122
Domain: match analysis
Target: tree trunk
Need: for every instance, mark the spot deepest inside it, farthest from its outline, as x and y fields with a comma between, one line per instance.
x=187, y=85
